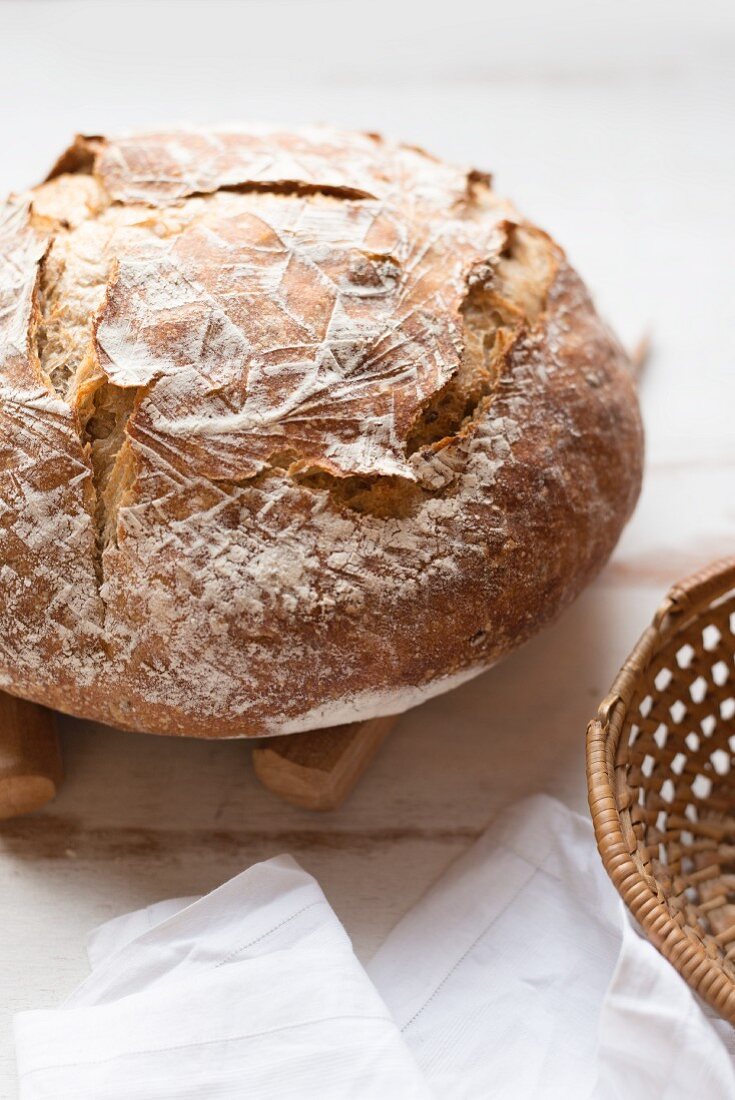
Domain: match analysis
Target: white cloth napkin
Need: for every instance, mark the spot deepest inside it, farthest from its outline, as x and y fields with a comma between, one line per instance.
x=253, y=991
x=518, y=975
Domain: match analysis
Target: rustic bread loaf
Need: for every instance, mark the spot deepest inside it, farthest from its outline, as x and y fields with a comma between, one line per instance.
x=296, y=427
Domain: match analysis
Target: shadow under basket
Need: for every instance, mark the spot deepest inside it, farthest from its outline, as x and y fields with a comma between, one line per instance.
x=661, y=782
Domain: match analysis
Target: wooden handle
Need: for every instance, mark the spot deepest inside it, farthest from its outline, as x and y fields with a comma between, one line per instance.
x=318, y=769
x=30, y=760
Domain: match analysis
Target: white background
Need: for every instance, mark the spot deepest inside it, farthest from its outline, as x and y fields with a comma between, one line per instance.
x=610, y=124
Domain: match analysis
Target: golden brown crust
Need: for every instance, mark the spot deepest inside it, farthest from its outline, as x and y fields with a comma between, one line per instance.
x=296, y=427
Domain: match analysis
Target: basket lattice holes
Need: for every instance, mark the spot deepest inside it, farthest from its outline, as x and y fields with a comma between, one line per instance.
x=676, y=758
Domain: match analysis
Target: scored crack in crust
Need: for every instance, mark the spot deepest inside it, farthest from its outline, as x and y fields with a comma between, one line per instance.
x=296, y=427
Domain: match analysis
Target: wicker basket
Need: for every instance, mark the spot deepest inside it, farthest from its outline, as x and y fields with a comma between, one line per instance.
x=661, y=782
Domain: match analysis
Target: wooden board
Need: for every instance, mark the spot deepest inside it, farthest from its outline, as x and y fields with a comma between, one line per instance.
x=318, y=769
x=30, y=761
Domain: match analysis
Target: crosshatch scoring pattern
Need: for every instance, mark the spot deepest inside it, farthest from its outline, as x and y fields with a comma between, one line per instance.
x=661, y=781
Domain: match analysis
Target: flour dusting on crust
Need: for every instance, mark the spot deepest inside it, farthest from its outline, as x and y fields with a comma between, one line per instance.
x=293, y=423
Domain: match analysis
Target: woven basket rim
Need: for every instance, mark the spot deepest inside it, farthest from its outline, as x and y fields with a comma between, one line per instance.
x=642, y=893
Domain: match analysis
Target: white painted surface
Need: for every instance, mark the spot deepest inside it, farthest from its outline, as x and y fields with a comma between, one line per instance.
x=609, y=123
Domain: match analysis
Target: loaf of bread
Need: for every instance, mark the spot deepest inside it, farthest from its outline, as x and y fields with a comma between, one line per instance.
x=297, y=427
